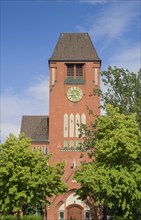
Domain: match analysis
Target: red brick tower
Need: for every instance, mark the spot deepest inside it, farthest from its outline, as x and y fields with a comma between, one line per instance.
x=74, y=73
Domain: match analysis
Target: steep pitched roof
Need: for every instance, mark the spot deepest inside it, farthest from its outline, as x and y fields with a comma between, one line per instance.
x=74, y=47
x=35, y=127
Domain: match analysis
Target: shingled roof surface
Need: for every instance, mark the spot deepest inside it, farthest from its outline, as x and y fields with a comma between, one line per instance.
x=35, y=127
x=74, y=47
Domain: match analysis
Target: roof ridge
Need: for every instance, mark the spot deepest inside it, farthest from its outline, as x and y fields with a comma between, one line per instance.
x=35, y=115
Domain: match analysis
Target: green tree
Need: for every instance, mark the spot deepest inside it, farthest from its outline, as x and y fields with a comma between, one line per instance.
x=25, y=176
x=114, y=175
x=123, y=90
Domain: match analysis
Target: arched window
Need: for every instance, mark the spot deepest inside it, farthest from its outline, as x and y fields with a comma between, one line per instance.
x=77, y=145
x=77, y=125
x=65, y=125
x=46, y=150
x=65, y=144
x=71, y=125
x=71, y=144
x=40, y=149
x=34, y=149
x=83, y=121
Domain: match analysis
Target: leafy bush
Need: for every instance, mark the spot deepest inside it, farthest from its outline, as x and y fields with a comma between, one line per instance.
x=8, y=217
x=117, y=218
x=25, y=217
x=31, y=217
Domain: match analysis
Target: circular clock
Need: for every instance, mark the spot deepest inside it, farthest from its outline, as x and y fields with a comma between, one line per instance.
x=74, y=94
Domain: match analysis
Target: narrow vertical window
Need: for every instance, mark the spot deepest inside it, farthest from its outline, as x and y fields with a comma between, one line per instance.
x=65, y=144
x=46, y=150
x=53, y=76
x=70, y=70
x=74, y=164
x=83, y=118
x=87, y=215
x=79, y=70
x=65, y=125
x=71, y=121
x=96, y=76
x=34, y=149
x=40, y=149
x=83, y=121
x=61, y=215
x=77, y=125
x=71, y=144
x=77, y=145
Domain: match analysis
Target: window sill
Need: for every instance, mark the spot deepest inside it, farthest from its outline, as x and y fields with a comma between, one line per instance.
x=71, y=80
x=69, y=149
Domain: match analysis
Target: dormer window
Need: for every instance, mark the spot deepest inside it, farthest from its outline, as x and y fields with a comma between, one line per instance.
x=75, y=74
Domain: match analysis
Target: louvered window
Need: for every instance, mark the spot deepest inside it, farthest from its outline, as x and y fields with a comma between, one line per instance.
x=79, y=71
x=70, y=70
x=75, y=74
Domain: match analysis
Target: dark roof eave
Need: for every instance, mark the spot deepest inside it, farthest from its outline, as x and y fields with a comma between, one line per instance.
x=69, y=60
x=36, y=140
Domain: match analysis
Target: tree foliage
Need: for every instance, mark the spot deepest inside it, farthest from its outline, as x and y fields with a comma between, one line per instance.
x=114, y=175
x=123, y=90
x=25, y=176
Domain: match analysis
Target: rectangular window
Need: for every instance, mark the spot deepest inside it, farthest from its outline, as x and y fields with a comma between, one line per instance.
x=96, y=76
x=87, y=215
x=53, y=76
x=75, y=74
x=70, y=70
x=61, y=215
x=79, y=71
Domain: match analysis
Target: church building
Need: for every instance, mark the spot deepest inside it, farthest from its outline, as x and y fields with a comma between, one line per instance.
x=74, y=73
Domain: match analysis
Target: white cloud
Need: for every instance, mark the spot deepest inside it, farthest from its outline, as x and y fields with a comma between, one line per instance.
x=34, y=101
x=129, y=58
x=115, y=29
x=8, y=128
x=39, y=91
x=111, y=23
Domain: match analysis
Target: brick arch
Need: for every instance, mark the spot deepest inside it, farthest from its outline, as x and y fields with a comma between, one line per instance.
x=75, y=212
x=65, y=196
x=59, y=204
x=93, y=209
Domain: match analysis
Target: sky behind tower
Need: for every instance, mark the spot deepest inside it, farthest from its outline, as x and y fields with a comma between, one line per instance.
x=29, y=33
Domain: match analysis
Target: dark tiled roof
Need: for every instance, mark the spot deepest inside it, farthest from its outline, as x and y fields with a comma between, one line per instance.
x=35, y=127
x=74, y=47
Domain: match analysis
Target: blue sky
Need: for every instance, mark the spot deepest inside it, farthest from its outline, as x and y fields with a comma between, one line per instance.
x=29, y=33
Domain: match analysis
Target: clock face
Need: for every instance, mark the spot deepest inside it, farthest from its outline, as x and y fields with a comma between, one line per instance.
x=74, y=94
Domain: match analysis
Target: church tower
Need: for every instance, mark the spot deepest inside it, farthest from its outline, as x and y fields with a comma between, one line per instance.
x=74, y=73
